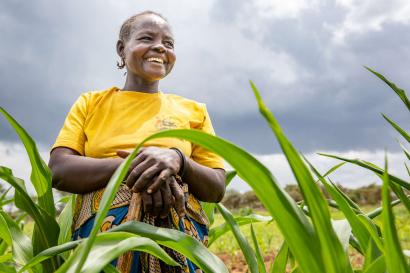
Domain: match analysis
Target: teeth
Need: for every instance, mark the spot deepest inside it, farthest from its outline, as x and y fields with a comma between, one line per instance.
x=157, y=60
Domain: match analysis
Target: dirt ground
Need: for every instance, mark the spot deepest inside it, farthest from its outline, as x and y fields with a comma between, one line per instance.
x=236, y=263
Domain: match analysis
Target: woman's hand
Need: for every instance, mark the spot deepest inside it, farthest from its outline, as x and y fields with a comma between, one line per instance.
x=160, y=202
x=151, y=168
x=152, y=173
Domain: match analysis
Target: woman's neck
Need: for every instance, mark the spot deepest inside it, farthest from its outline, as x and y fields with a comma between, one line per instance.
x=140, y=85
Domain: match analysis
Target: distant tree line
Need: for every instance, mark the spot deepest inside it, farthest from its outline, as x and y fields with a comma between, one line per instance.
x=365, y=195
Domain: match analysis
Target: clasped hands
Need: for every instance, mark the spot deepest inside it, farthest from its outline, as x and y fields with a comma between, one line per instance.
x=152, y=173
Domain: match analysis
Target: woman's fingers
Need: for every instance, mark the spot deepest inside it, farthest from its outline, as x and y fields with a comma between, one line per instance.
x=140, y=181
x=178, y=194
x=160, y=180
x=147, y=202
x=166, y=199
x=157, y=203
x=122, y=153
x=137, y=171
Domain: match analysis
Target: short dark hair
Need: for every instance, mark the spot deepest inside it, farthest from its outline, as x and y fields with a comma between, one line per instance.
x=125, y=30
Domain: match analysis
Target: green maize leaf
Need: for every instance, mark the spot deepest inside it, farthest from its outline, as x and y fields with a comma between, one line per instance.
x=6, y=202
x=355, y=244
x=109, y=268
x=296, y=270
x=395, y=261
x=3, y=246
x=4, y=268
x=401, y=195
x=376, y=212
x=40, y=173
x=49, y=253
x=398, y=128
x=373, y=232
x=369, y=255
x=377, y=266
x=373, y=168
x=4, y=231
x=333, y=204
x=406, y=152
x=21, y=244
x=332, y=253
x=46, y=229
x=407, y=168
x=247, y=250
x=65, y=220
x=209, y=208
x=281, y=259
x=110, y=245
x=258, y=252
x=6, y=257
x=294, y=224
x=334, y=168
x=194, y=250
x=220, y=230
x=400, y=92
x=358, y=229
x=65, y=199
x=3, y=196
x=351, y=203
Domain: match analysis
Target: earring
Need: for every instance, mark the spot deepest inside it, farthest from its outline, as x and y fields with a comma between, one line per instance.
x=122, y=64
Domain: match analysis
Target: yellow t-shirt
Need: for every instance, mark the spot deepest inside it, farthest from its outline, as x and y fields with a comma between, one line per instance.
x=102, y=122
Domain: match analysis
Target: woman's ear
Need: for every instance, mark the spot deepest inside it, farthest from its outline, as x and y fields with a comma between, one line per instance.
x=120, y=48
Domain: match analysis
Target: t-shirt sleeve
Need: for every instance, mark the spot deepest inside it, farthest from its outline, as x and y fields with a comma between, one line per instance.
x=72, y=133
x=202, y=155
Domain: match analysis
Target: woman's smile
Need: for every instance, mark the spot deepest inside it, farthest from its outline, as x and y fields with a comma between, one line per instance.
x=155, y=60
x=149, y=51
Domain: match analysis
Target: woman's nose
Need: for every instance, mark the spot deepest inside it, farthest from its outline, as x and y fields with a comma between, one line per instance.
x=159, y=47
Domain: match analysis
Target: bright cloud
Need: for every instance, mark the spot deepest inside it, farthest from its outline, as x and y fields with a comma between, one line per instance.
x=370, y=15
x=350, y=176
x=283, y=9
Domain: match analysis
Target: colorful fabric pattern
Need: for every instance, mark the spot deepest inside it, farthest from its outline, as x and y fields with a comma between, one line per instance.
x=195, y=224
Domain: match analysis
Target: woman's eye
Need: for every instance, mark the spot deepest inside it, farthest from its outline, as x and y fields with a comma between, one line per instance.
x=169, y=44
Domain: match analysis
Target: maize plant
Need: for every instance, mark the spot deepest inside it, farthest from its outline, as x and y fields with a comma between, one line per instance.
x=313, y=242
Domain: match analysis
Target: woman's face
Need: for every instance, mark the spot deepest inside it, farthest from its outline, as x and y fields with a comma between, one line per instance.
x=149, y=51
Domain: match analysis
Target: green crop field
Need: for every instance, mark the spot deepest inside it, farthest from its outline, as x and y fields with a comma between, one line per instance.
x=319, y=234
x=270, y=238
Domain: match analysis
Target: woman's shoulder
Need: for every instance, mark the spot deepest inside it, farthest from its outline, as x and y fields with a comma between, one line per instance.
x=185, y=102
x=94, y=96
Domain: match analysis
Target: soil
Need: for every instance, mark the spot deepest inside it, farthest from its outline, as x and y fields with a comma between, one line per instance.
x=236, y=262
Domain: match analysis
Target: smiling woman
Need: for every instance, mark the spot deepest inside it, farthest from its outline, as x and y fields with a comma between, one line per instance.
x=171, y=175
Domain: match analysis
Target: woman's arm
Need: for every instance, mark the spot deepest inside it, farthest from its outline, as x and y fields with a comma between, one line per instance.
x=79, y=174
x=205, y=183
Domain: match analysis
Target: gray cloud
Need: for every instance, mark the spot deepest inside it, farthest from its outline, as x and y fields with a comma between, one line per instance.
x=51, y=51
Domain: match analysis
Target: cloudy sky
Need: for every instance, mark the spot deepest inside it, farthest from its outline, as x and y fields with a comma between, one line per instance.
x=306, y=57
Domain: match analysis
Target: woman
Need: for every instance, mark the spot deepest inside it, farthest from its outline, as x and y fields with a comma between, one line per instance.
x=170, y=174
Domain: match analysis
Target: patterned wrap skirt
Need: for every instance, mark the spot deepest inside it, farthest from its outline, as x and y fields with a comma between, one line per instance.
x=195, y=224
